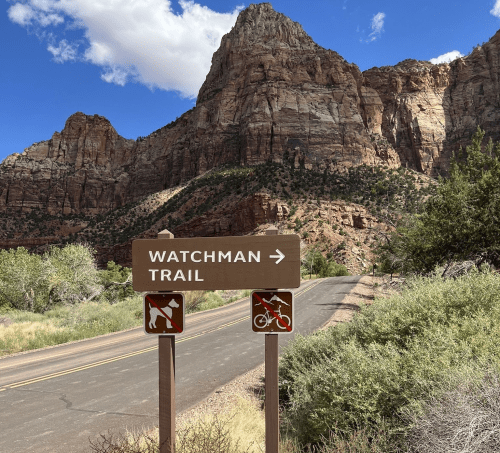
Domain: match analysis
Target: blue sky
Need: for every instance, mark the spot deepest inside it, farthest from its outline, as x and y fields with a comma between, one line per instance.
x=140, y=63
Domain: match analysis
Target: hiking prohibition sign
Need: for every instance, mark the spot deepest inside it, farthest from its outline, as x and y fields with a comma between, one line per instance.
x=272, y=312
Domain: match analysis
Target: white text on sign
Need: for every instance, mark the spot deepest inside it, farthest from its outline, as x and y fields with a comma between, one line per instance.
x=205, y=257
x=185, y=256
x=211, y=263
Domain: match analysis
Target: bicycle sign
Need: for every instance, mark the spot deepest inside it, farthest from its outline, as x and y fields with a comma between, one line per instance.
x=272, y=311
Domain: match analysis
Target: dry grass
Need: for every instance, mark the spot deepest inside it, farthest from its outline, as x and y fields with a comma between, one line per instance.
x=238, y=430
x=465, y=420
x=193, y=300
x=22, y=336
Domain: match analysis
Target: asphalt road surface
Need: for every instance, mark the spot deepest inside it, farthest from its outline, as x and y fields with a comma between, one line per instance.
x=55, y=399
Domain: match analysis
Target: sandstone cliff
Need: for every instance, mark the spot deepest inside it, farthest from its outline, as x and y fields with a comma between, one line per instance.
x=271, y=94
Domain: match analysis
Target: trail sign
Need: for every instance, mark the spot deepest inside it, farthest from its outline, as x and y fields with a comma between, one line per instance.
x=164, y=313
x=235, y=262
x=272, y=311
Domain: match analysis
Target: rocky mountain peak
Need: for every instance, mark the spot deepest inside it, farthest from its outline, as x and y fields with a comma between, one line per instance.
x=85, y=139
x=259, y=31
x=261, y=23
x=81, y=121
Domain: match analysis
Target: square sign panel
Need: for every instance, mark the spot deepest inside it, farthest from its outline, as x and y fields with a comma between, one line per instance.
x=164, y=313
x=272, y=311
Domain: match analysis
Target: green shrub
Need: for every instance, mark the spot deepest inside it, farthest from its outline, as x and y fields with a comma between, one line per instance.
x=391, y=357
x=37, y=283
x=212, y=300
x=333, y=270
x=113, y=278
x=24, y=280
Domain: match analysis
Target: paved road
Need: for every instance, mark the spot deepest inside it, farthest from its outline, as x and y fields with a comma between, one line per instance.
x=53, y=400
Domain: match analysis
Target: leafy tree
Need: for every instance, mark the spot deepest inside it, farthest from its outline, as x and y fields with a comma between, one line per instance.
x=313, y=261
x=117, y=282
x=23, y=279
x=333, y=269
x=74, y=274
x=461, y=222
x=37, y=283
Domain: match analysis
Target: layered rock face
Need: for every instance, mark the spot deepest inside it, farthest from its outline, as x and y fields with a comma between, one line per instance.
x=80, y=169
x=271, y=94
x=426, y=112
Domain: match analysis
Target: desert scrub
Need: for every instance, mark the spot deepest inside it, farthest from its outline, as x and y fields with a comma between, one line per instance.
x=68, y=323
x=465, y=419
x=391, y=357
x=206, y=300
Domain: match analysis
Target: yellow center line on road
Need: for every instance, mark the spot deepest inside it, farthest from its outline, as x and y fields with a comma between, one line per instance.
x=131, y=354
x=114, y=359
x=308, y=288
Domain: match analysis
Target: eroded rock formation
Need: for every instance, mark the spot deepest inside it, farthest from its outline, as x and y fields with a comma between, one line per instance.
x=271, y=94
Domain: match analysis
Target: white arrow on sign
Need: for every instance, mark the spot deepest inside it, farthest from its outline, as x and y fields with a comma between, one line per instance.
x=279, y=255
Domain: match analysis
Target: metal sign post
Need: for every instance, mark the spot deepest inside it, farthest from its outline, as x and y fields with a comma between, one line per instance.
x=271, y=385
x=272, y=394
x=166, y=365
x=272, y=313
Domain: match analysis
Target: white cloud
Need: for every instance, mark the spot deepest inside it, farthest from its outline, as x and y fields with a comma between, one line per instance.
x=446, y=57
x=116, y=75
x=50, y=19
x=496, y=9
x=21, y=14
x=63, y=52
x=139, y=40
x=377, y=26
x=26, y=14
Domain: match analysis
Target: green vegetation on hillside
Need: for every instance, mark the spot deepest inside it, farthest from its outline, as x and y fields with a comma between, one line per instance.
x=460, y=222
x=386, y=193
x=383, y=191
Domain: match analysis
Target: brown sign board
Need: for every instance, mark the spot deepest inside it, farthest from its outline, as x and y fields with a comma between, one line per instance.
x=272, y=311
x=164, y=313
x=234, y=262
